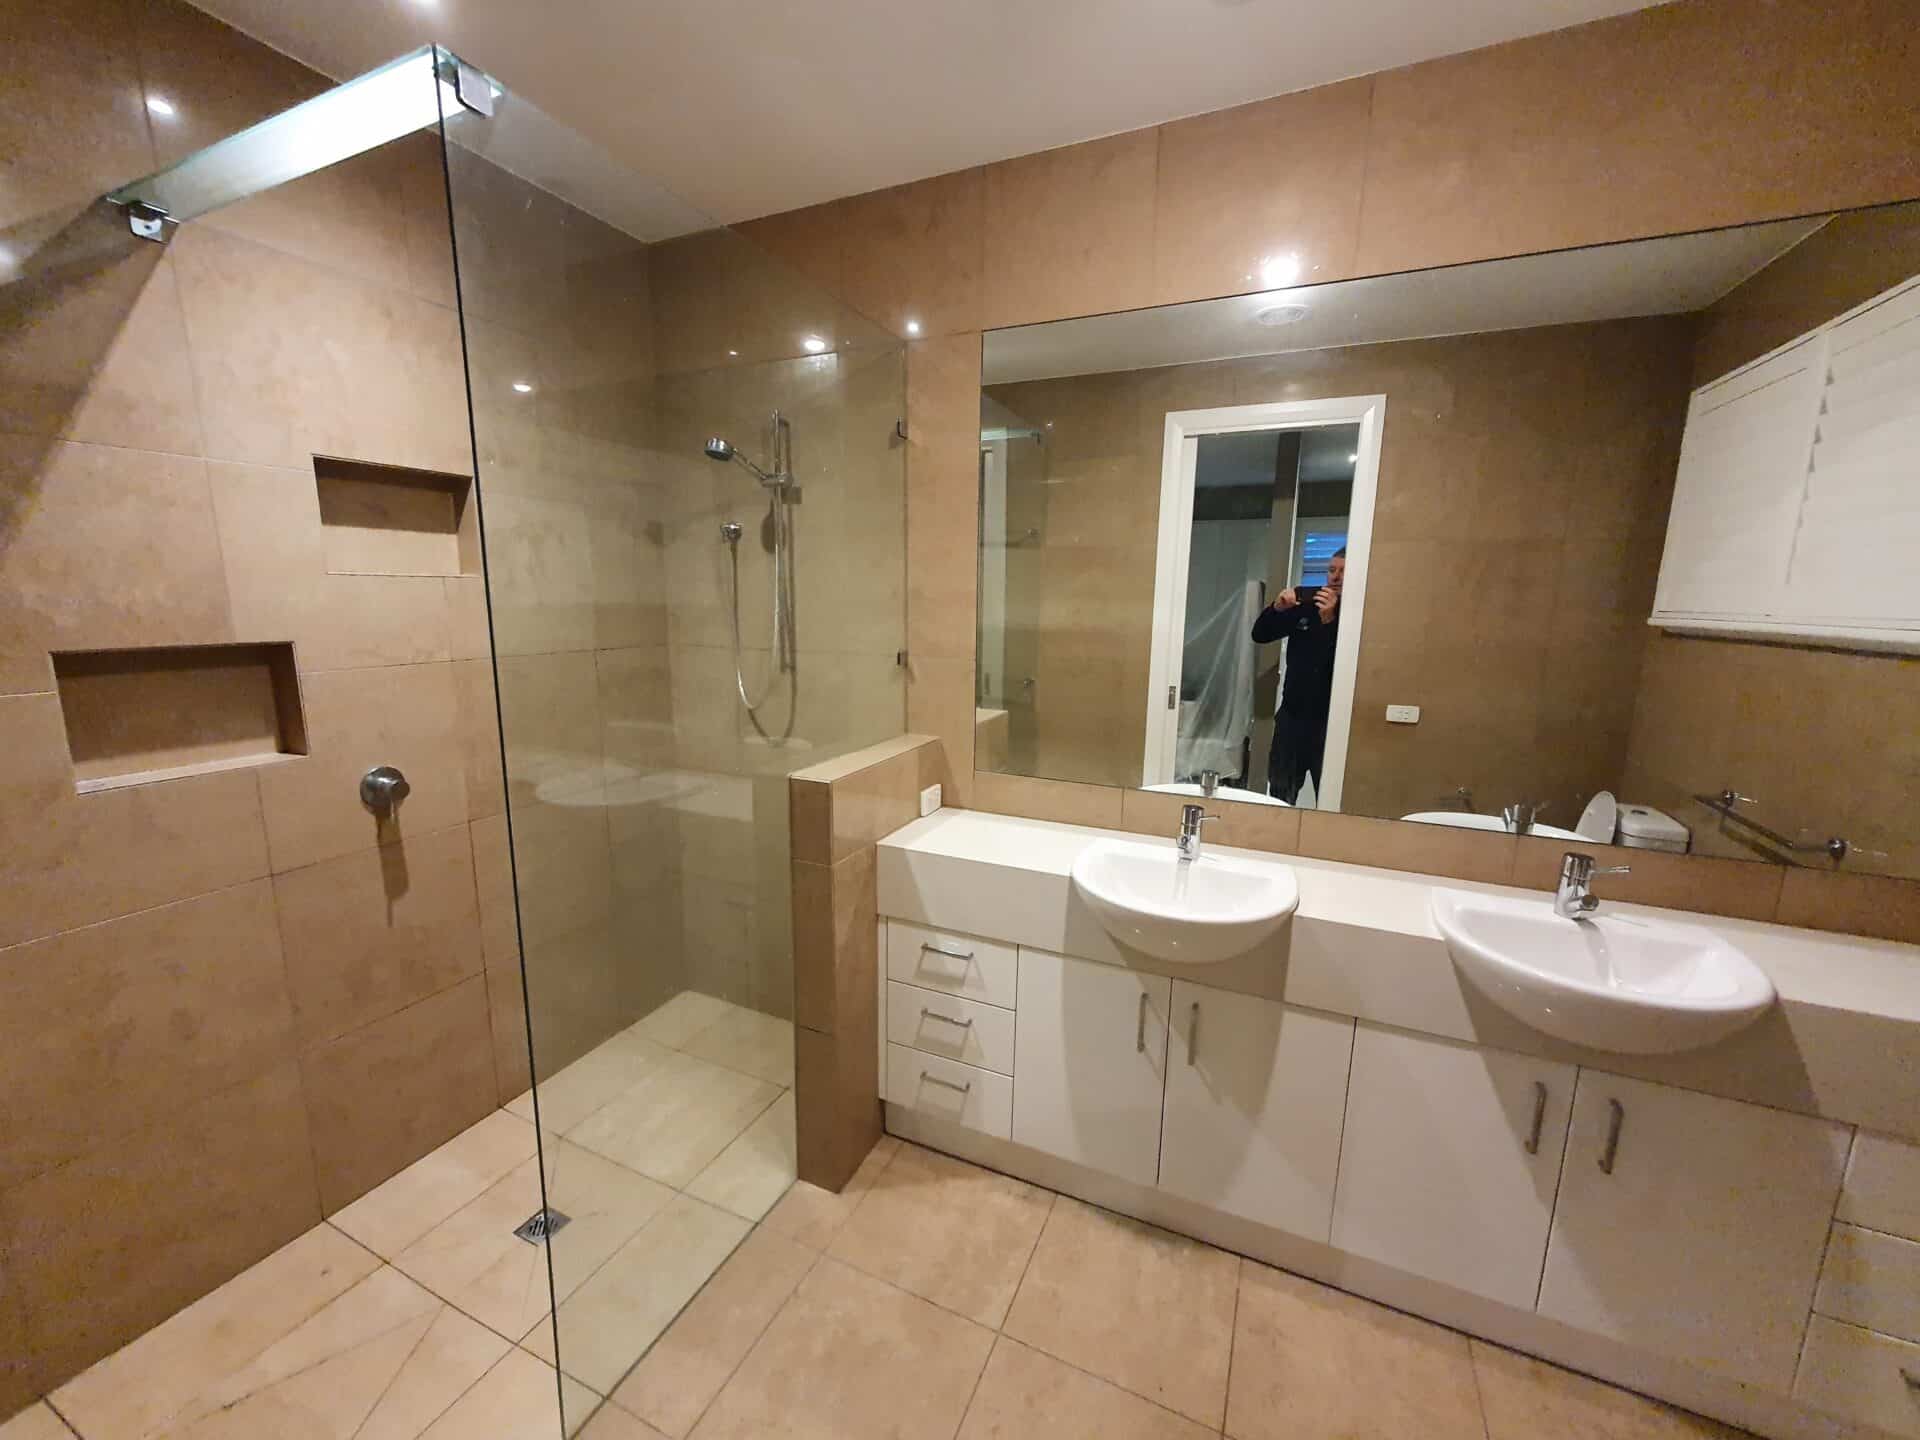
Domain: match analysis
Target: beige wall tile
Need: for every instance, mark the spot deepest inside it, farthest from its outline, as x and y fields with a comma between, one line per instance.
x=372, y=932
x=834, y=945
x=218, y=80
x=110, y=1245
x=940, y=695
x=401, y=715
x=1853, y=904
x=273, y=556
x=480, y=737
x=1061, y=800
x=1070, y=231
x=872, y=803
x=1276, y=181
x=107, y=1030
x=384, y=1095
x=70, y=860
x=1744, y=888
x=469, y=632
x=69, y=132
x=808, y=241
x=1630, y=127
x=810, y=820
x=943, y=495
x=114, y=548
x=913, y=253
x=1395, y=845
x=293, y=359
x=837, y=1095
x=97, y=350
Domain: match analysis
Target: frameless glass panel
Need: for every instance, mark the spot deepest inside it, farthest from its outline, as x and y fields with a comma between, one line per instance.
x=692, y=506
x=382, y=105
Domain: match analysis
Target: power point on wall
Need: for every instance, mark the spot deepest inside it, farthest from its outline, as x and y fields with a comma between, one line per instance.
x=1403, y=714
x=929, y=799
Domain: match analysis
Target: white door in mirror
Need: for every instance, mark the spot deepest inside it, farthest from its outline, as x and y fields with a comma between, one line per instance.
x=1611, y=981
x=1195, y=912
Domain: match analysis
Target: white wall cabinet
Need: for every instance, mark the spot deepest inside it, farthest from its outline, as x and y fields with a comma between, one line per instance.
x=1794, y=509
x=1692, y=1226
x=1450, y=1160
x=1256, y=1092
x=1090, y=1051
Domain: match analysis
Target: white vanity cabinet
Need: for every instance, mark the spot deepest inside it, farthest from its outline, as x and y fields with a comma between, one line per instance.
x=1090, y=1053
x=1450, y=1160
x=1691, y=1225
x=1256, y=1091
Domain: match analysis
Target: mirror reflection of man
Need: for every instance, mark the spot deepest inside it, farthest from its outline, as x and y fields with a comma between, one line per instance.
x=1307, y=617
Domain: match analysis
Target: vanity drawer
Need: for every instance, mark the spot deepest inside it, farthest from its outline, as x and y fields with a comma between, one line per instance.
x=979, y=1099
x=1882, y=1190
x=951, y=1026
x=949, y=960
x=1862, y=1374
x=1872, y=1280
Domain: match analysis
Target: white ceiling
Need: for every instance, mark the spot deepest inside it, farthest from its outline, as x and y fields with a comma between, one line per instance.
x=1668, y=276
x=749, y=107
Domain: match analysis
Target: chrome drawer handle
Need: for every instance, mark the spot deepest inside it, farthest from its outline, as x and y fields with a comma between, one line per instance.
x=1616, y=1114
x=937, y=1080
x=928, y=948
x=926, y=1014
x=1539, y=1117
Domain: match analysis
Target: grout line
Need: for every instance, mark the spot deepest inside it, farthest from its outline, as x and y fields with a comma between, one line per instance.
x=54, y=1410
x=1479, y=1395
x=974, y=1394
x=1233, y=1338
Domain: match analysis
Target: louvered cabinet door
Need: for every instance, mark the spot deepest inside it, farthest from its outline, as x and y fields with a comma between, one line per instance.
x=1856, y=557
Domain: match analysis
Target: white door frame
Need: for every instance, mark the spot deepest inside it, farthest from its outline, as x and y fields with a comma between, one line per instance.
x=1179, y=459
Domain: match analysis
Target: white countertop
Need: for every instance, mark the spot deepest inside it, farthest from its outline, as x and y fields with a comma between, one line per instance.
x=1845, y=1039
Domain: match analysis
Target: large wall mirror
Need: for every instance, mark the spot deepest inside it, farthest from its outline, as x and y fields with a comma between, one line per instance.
x=1619, y=544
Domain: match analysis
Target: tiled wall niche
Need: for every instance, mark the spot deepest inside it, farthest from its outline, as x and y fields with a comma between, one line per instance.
x=138, y=716
x=392, y=520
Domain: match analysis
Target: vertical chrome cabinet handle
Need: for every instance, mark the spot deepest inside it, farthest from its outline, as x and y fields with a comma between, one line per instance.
x=1193, y=1033
x=1616, y=1114
x=1140, y=1030
x=1539, y=1117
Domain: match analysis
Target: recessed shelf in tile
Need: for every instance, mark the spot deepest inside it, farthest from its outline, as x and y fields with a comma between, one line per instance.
x=137, y=716
x=391, y=520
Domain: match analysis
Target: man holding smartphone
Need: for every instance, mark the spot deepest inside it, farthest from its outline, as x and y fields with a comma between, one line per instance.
x=1307, y=617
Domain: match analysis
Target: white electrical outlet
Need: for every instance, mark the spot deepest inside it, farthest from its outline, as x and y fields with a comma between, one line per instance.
x=1403, y=714
x=929, y=799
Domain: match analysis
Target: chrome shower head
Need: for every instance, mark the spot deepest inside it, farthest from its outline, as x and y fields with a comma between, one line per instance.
x=718, y=449
x=723, y=451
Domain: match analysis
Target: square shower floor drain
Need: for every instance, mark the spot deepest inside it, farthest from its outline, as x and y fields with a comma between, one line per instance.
x=541, y=1226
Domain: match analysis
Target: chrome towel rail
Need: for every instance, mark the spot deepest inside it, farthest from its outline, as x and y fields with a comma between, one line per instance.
x=1728, y=802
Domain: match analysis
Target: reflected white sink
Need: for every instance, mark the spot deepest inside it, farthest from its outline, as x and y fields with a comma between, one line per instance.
x=1617, y=982
x=1192, y=912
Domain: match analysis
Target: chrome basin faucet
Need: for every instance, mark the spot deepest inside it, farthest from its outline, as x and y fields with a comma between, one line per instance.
x=1574, y=899
x=1192, y=817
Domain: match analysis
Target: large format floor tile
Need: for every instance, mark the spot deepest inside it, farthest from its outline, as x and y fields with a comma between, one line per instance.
x=36, y=1422
x=676, y=1119
x=515, y=1400
x=850, y=1358
x=813, y=1216
x=474, y=1260
x=1024, y=1393
x=672, y=1387
x=569, y=1096
x=1309, y=1360
x=761, y=1045
x=623, y=1307
x=391, y=1216
x=142, y=1387
x=1525, y=1398
x=752, y=1173
x=1149, y=1310
x=947, y=1231
x=682, y=1018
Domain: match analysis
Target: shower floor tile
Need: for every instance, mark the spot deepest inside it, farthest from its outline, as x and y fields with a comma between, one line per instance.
x=571, y=1095
x=752, y=1173
x=760, y=1045
x=682, y=1018
x=390, y=1217
x=677, y=1119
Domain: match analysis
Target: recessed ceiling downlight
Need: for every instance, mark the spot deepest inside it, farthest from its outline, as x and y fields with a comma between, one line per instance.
x=1273, y=315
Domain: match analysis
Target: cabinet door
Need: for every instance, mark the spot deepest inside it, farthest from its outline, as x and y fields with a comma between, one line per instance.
x=1692, y=1226
x=1090, y=1051
x=1255, y=1095
x=1450, y=1160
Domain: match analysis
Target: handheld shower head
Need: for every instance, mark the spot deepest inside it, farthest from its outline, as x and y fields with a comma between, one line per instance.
x=723, y=451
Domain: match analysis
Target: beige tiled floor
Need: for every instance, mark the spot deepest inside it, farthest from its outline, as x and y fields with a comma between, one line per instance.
x=930, y=1299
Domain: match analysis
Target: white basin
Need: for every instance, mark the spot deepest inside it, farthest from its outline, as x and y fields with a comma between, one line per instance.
x=1464, y=820
x=1192, y=912
x=1610, y=981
